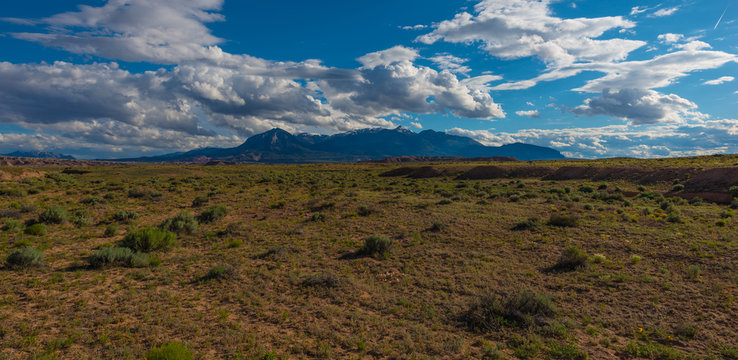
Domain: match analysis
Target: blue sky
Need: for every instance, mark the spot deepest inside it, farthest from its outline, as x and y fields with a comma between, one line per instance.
x=592, y=79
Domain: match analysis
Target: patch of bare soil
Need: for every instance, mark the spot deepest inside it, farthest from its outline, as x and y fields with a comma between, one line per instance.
x=26, y=174
x=712, y=180
x=415, y=159
x=422, y=172
x=497, y=172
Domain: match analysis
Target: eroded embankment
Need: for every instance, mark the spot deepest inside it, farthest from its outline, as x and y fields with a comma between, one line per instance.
x=709, y=184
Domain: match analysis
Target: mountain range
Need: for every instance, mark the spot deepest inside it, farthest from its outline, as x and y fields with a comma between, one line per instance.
x=39, y=154
x=279, y=146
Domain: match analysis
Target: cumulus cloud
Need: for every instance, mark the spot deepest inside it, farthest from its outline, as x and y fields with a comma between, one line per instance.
x=638, y=106
x=397, y=54
x=401, y=86
x=529, y=113
x=161, y=32
x=702, y=138
x=665, y=12
x=670, y=38
x=451, y=63
x=720, y=80
x=523, y=28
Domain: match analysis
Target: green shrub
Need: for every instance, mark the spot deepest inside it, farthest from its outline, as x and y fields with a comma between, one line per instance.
x=149, y=239
x=652, y=350
x=563, y=220
x=35, y=229
x=571, y=259
x=12, y=192
x=686, y=331
x=125, y=215
x=183, y=222
x=598, y=258
x=532, y=224
x=142, y=193
x=677, y=187
x=170, y=351
x=437, y=226
x=675, y=217
x=81, y=219
x=92, y=200
x=25, y=258
x=525, y=347
x=234, y=243
x=118, y=256
x=111, y=230
x=566, y=352
x=375, y=245
x=213, y=214
x=322, y=281
x=522, y=309
x=199, y=201
x=12, y=226
x=220, y=272
x=364, y=210
x=318, y=217
x=734, y=191
x=729, y=353
x=53, y=215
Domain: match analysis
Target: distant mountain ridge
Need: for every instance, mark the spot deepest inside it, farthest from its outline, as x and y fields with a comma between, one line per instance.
x=279, y=146
x=39, y=154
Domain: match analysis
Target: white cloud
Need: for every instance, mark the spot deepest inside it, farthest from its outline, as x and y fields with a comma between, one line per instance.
x=720, y=80
x=639, y=106
x=397, y=54
x=665, y=12
x=529, y=113
x=414, y=27
x=512, y=29
x=658, y=72
x=392, y=84
x=157, y=31
x=638, y=10
x=416, y=125
x=670, y=38
x=703, y=138
x=451, y=63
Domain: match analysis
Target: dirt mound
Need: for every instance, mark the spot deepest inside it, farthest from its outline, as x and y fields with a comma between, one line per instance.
x=712, y=180
x=497, y=172
x=485, y=172
x=4, y=176
x=422, y=172
x=413, y=159
x=641, y=175
x=571, y=173
x=403, y=171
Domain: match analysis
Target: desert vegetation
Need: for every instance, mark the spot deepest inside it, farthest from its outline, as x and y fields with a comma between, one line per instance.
x=361, y=261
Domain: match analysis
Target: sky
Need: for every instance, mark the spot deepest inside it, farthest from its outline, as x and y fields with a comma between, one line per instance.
x=592, y=79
